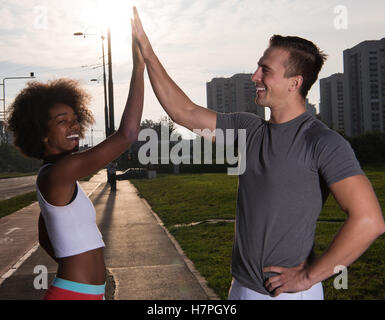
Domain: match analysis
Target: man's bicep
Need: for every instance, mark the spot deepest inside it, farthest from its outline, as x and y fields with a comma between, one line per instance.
x=202, y=121
x=356, y=197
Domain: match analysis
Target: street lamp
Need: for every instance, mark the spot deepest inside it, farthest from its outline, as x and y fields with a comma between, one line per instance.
x=111, y=125
x=108, y=112
x=104, y=82
x=105, y=101
x=31, y=76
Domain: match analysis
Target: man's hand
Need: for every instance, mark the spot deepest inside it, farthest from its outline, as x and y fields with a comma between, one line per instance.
x=140, y=36
x=137, y=56
x=174, y=101
x=289, y=279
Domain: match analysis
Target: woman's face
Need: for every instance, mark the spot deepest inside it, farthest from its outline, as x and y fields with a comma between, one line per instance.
x=63, y=131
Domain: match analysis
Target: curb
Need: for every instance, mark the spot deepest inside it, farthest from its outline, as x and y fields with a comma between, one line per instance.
x=190, y=265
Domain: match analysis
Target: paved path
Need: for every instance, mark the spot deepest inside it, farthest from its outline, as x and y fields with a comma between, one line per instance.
x=143, y=260
x=12, y=187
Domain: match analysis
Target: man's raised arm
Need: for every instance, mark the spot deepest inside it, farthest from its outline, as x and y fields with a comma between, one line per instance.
x=173, y=100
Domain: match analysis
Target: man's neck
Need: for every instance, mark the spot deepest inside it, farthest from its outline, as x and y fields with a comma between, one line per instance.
x=287, y=113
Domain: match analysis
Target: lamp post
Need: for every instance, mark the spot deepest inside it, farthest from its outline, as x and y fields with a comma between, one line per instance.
x=106, y=117
x=111, y=122
x=31, y=76
x=110, y=85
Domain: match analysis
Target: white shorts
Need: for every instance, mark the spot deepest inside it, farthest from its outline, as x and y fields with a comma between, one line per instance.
x=239, y=292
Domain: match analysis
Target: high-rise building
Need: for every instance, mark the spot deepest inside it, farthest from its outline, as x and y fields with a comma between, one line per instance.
x=332, y=101
x=364, y=96
x=233, y=94
x=310, y=107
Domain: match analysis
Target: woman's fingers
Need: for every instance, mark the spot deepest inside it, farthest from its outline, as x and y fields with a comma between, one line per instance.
x=140, y=36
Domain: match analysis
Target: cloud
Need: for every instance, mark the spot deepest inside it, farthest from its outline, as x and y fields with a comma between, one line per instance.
x=195, y=40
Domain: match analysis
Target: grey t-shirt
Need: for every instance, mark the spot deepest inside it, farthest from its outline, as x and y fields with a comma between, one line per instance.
x=289, y=167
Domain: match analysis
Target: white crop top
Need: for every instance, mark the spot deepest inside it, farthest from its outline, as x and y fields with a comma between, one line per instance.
x=72, y=228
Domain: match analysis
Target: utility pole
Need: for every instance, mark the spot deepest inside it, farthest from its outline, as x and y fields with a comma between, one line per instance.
x=105, y=91
x=110, y=86
x=112, y=166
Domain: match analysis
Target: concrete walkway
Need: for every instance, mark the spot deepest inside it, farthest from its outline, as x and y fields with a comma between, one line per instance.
x=143, y=260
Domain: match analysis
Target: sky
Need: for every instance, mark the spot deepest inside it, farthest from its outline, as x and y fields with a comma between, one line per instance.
x=195, y=41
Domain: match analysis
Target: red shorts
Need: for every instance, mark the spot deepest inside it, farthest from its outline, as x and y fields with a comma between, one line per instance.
x=68, y=290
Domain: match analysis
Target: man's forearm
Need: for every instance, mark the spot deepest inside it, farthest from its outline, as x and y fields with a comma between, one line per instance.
x=173, y=100
x=353, y=239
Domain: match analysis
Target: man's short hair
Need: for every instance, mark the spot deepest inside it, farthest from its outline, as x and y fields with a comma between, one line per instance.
x=305, y=59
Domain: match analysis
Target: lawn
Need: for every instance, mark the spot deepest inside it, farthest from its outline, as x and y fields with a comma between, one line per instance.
x=14, y=204
x=182, y=199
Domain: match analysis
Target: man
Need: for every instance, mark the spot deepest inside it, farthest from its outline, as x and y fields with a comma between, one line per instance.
x=293, y=161
x=111, y=174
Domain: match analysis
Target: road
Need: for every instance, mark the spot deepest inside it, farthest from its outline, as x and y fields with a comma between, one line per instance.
x=14, y=186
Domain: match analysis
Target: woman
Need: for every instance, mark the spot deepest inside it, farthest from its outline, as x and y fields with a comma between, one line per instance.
x=47, y=121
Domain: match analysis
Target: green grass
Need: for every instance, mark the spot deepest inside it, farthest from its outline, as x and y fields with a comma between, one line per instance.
x=16, y=203
x=88, y=178
x=182, y=199
x=209, y=247
x=365, y=276
x=332, y=211
x=186, y=198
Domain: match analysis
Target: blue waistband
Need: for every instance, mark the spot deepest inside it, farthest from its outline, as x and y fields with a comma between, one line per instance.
x=78, y=287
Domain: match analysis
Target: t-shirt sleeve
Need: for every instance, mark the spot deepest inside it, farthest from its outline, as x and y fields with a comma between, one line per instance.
x=335, y=158
x=236, y=121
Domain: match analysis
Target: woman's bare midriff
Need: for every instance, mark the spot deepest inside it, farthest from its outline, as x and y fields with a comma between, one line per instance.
x=87, y=267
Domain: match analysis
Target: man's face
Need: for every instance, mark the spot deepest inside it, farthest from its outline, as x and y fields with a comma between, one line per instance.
x=271, y=85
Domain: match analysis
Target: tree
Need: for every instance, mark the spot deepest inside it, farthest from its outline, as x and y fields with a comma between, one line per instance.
x=130, y=157
x=12, y=160
x=3, y=137
x=369, y=148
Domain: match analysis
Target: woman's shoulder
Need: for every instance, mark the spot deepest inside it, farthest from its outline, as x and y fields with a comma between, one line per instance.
x=52, y=190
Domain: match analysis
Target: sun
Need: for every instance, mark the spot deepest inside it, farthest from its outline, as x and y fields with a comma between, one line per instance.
x=113, y=14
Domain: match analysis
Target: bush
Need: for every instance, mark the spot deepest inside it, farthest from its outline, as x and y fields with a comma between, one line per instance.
x=12, y=160
x=369, y=148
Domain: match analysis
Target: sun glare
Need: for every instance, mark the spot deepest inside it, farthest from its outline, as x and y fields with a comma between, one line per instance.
x=115, y=14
